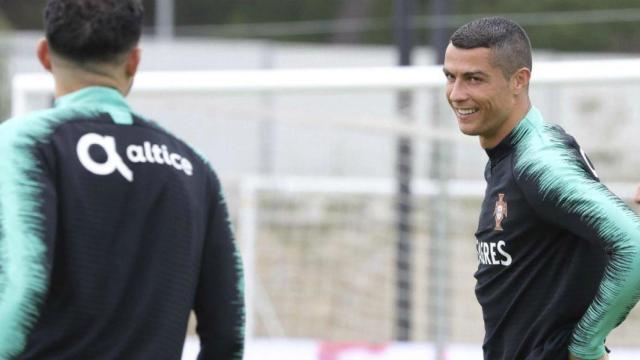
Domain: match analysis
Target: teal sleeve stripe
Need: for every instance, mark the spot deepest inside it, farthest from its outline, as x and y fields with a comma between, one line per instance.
x=240, y=329
x=23, y=273
x=542, y=156
x=23, y=278
x=240, y=292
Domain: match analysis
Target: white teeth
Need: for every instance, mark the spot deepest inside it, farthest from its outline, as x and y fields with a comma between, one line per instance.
x=466, y=111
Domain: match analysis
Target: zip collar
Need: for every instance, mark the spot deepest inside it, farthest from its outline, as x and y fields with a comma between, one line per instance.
x=104, y=99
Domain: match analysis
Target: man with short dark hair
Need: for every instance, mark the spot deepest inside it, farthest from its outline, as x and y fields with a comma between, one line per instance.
x=111, y=229
x=559, y=255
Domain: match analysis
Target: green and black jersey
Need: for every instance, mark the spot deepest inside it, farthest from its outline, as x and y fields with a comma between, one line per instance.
x=559, y=254
x=111, y=231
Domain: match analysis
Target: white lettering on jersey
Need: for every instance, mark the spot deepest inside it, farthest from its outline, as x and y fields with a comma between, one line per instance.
x=158, y=154
x=145, y=153
x=487, y=254
x=114, y=161
x=507, y=258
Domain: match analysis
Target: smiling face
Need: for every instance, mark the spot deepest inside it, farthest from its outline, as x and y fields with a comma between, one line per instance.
x=485, y=102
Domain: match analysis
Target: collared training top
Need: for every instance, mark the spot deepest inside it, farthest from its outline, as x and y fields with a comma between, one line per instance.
x=559, y=254
x=111, y=231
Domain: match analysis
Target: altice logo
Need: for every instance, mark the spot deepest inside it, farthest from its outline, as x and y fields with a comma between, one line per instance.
x=145, y=153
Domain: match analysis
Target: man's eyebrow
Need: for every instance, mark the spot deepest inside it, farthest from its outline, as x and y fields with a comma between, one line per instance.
x=467, y=74
x=474, y=73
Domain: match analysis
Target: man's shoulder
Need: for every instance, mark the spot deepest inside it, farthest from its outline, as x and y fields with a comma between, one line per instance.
x=34, y=124
x=193, y=151
x=545, y=153
x=542, y=143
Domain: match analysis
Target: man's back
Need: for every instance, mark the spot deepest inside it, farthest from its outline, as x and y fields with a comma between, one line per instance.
x=130, y=232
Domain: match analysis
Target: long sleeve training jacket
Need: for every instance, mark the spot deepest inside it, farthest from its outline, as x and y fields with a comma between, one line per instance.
x=111, y=231
x=559, y=254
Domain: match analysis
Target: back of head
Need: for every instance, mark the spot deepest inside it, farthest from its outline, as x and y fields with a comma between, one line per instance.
x=93, y=30
x=509, y=43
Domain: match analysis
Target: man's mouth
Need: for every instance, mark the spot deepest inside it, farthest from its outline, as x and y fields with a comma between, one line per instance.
x=466, y=111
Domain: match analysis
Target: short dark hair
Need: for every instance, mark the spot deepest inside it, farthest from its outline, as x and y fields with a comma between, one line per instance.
x=93, y=30
x=509, y=43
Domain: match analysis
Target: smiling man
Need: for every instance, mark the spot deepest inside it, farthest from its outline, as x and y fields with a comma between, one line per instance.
x=559, y=255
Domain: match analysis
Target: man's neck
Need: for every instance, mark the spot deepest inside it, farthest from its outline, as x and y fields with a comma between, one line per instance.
x=70, y=77
x=517, y=114
x=67, y=86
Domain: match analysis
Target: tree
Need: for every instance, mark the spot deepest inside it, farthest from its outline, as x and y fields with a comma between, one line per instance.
x=551, y=24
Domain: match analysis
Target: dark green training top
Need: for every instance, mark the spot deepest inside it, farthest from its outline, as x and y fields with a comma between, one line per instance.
x=111, y=231
x=559, y=253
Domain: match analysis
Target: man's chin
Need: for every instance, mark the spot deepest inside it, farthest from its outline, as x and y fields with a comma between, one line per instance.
x=468, y=131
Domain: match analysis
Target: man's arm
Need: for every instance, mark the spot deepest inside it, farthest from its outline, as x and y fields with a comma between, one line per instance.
x=219, y=302
x=27, y=233
x=564, y=191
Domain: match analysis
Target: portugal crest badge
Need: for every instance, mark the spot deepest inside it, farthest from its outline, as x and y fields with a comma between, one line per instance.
x=500, y=212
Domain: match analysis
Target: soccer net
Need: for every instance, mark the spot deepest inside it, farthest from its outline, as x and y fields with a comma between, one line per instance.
x=309, y=160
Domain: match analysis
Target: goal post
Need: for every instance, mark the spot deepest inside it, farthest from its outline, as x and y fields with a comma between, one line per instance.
x=389, y=78
x=330, y=193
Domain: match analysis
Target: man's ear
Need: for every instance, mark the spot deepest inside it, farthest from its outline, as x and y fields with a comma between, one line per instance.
x=132, y=62
x=520, y=80
x=44, y=55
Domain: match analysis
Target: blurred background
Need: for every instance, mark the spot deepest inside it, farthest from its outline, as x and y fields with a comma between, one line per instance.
x=355, y=203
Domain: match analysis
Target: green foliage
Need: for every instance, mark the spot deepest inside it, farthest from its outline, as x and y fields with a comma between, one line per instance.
x=283, y=10
x=569, y=31
x=27, y=15
x=563, y=31
x=203, y=12
x=23, y=14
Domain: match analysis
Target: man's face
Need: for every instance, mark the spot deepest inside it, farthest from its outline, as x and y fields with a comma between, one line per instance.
x=479, y=94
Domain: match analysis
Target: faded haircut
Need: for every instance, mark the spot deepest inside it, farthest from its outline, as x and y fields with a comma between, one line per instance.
x=509, y=44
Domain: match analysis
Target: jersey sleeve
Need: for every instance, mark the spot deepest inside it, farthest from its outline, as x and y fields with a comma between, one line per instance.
x=562, y=187
x=219, y=304
x=27, y=233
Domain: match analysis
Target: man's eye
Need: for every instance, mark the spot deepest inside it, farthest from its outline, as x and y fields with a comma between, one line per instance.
x=449, y=77
x=474, y=79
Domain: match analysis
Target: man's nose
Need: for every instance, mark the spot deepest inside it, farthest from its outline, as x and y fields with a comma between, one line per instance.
x=457, y=91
